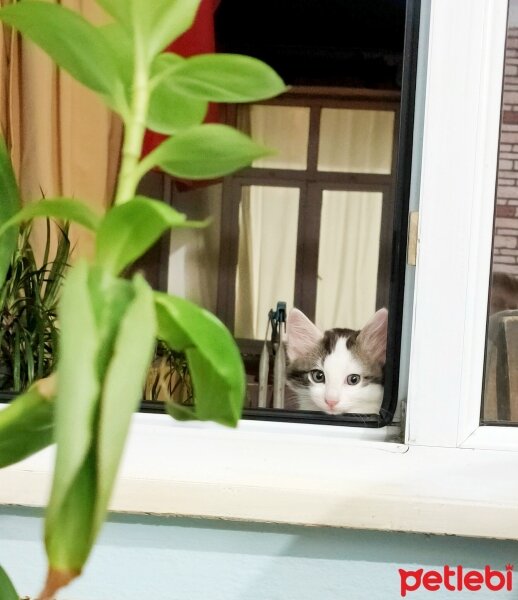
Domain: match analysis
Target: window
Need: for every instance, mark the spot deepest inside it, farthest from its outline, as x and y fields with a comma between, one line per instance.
x=318, y=213
x=330, y=207
x=500, y=402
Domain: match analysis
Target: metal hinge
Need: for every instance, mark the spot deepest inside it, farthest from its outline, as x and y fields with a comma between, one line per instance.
x=411, y=247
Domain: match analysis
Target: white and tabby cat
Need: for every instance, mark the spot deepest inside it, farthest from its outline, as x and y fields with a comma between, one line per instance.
x=339, y=370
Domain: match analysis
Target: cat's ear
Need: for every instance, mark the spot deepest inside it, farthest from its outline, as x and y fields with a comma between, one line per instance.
x=303, y=335
x=373, y=337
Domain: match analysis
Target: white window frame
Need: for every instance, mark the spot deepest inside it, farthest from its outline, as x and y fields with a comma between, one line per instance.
x=457, y=199
x=450, y=476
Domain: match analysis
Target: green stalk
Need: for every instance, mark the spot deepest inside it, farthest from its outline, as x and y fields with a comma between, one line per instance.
x=134, y=129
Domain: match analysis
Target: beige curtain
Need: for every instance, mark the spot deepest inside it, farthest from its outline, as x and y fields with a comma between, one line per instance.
x=356, y=141
x=63, y=140
x=268, y=219
x=348, y=259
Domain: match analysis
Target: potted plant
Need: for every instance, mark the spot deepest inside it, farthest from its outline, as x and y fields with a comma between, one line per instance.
x=168, y=378
x=28, y=310
x=109, y=324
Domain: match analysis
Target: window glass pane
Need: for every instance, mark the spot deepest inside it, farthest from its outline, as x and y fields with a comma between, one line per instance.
x=500, y=402
x=268, y=220
x=348, y=258
x=285, y=128
x=356, y=141
x=194, y=253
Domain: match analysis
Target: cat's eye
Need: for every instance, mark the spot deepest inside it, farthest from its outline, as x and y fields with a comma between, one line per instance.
x=353, y=379
x=317, y=376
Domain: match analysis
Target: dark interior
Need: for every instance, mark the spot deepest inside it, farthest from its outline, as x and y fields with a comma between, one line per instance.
x=352, y=43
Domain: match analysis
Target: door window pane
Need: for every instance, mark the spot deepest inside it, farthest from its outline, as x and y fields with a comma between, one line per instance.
x=194, y=253
x=268, y=219
x=356, y=141
x=348, y=258
x=283, y=128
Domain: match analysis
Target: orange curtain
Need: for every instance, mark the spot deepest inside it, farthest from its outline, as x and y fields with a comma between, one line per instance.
x=63, y=140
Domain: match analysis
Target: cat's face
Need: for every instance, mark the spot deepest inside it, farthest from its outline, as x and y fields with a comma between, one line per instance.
x=340, y=370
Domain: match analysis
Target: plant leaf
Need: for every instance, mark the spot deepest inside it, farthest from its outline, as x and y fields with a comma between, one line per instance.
x=7, y=591
x=156, y=23
x=110, y=298
x=181, y=412
x=78, y=389
x=227, y=78
x=57, y=208
x=9, y=205
x=120, y=43
x=72, y=42
x=68, y=533
x=206, y=151
x=122, y=389
x=128, y=230
x=170, y=109
x=214, y=360
x=26, y=426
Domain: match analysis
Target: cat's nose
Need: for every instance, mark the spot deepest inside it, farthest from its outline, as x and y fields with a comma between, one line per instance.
x=331, y=403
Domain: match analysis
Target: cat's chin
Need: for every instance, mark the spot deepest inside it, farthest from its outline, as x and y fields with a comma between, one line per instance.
x=335, y=411
x=365, y=406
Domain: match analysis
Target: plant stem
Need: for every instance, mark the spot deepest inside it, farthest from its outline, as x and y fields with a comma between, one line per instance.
x=134, y=129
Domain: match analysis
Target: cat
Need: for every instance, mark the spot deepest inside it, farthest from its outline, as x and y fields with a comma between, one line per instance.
x=337, y=371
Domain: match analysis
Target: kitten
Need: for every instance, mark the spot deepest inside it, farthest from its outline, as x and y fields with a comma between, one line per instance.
x=339, y=370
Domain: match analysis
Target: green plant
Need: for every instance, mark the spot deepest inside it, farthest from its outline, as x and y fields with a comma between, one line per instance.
x=28, y=310
x=109, y=324
x=7, y=591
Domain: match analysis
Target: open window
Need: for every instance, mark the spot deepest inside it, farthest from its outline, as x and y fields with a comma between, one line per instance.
x=322, y=224
x=500, y=398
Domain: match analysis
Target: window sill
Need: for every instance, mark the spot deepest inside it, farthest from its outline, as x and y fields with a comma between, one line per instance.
x=304, y=474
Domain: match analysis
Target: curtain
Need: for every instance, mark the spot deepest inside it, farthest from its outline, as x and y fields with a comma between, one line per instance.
x=356, y=141
x=348, y=259
x=268, y=219
x=63, y=140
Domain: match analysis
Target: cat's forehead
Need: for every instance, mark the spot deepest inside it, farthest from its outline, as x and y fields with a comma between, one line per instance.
x=340, y=359
x=341, y=347
x=333, y=336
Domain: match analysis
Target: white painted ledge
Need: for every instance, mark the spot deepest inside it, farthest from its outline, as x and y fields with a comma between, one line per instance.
x=312, y=475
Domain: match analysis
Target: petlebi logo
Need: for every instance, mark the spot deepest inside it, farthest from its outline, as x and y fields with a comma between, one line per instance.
x=456, y=579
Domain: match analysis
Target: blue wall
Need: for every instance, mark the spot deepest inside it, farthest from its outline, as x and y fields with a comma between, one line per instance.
x=150, y=558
